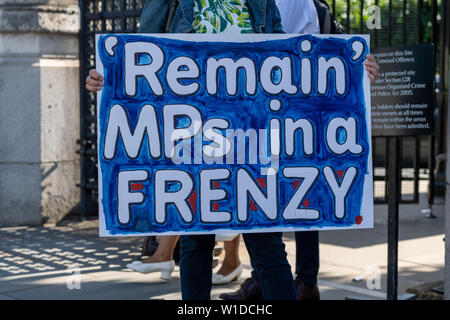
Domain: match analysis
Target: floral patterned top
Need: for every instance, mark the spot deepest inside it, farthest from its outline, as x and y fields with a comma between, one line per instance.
x=221, y=16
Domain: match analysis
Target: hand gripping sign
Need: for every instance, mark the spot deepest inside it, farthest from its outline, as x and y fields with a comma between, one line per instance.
x=255, y=133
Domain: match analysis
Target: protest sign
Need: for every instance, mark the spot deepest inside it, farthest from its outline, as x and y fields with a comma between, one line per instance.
x=403, y=94
x=244, y=133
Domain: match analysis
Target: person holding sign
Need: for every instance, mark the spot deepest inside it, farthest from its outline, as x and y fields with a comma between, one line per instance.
x=266, y=250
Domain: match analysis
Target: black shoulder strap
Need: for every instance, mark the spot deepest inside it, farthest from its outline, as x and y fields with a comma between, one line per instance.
x=171, y=14
x=323, y=15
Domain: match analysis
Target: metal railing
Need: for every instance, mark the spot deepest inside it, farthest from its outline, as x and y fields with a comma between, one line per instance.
x=97, y=16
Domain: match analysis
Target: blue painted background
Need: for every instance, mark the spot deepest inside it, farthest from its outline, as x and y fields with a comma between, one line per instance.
x=243, y=111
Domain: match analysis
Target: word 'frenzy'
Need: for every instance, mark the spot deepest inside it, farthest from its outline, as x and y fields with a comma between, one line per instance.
x=245, y=186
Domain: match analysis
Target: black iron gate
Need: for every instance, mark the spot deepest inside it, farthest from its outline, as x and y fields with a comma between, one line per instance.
x=97, y=16
x=401, y=22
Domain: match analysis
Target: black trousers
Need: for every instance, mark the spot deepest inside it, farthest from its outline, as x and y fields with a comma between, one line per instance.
x=268, y=255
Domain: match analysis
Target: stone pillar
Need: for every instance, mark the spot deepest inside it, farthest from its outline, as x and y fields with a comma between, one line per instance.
x=39, y=110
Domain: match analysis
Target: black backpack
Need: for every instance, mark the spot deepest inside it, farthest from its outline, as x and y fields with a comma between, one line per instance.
x=327, y=22
x=150, y=245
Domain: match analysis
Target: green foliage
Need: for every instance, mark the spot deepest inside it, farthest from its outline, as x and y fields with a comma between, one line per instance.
x=357, y=23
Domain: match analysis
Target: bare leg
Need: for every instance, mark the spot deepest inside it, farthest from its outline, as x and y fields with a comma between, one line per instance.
x=231, y=260
x=164, y=252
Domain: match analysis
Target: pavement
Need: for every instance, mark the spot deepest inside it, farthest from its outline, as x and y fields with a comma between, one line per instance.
x=72, y=262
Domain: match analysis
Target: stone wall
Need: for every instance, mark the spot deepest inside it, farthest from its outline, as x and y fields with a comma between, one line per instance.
x=39, y=110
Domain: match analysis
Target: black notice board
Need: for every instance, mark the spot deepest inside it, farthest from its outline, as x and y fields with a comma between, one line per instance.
x=402, y=96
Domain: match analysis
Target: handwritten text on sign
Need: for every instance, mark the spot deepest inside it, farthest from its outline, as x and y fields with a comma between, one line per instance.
x=254, y=133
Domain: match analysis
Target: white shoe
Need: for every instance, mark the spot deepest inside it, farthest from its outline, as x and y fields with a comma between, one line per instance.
x=136, y=262
x=166, y=268
x=233, y=276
